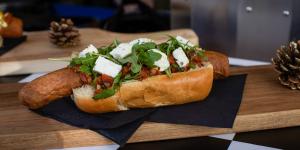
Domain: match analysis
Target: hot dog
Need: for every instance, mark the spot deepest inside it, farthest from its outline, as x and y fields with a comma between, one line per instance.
x=161, y=78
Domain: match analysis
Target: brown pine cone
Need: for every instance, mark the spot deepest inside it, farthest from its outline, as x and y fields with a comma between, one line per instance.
x=287, y=64
x=64, y=33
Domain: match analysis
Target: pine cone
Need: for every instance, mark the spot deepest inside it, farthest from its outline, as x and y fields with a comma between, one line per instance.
x=63, y=33
x=287, y=64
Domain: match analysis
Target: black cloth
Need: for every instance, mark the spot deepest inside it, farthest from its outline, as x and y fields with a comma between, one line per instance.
x=218, y=110
x=10, y=43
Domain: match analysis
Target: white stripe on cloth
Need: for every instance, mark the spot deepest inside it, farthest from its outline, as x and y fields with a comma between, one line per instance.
x=235, y=145
x=103, y=147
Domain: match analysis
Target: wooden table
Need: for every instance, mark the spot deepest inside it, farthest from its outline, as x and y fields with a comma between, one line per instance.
x=32, y=55
x=265, y=105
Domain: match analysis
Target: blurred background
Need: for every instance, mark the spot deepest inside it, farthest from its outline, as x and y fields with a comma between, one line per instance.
x=251, y=29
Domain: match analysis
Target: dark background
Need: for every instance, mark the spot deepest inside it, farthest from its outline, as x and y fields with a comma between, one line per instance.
x=222, y=25
x=114, y=15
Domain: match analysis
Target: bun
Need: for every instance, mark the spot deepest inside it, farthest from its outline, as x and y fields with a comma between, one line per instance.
x=180, y=88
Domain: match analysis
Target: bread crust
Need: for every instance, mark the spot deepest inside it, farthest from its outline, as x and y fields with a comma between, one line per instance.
x=180, y=88
x=50, y=87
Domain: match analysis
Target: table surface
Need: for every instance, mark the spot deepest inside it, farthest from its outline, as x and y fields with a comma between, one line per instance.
x=266, y=105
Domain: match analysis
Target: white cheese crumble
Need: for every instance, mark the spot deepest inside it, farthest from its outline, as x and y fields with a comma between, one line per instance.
x=140, y=41
x=107, y=67
x=180, y=57
x=90, y=49
x=121, y=51
x=163, y=62
x=184, y=41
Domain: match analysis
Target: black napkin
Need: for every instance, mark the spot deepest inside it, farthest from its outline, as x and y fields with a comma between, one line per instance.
x=117, y=126
x=10, y=43
x=218, y=110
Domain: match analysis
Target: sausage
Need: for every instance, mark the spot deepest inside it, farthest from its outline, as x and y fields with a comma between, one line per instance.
x=49, y=87
x=220, y=63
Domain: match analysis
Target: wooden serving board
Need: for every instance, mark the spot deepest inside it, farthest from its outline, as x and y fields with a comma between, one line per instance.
x=265, y=105
x=32, y=55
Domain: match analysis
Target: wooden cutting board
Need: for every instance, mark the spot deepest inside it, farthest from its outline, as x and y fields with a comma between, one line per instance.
x=32, y=55
x=265, y=105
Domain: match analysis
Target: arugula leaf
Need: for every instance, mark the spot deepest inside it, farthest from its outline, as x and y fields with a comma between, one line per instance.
x=163, y=46
x=143, y=47
x=200, y=52
x=116, y=43
x=149, y=57
x=89, y=59
x=133, y=60
x=168, y=72
x=135, y=68
x=105, y=94
x=85, y=69
x=105, y=50
x=130, y=76
x=117, y=80
x=192, y=65
x=86, y=63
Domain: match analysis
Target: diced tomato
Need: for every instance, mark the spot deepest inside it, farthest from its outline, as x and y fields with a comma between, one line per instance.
x=98, y=91
x=187, y=68
x=99, y=80
x=144, y=73
x=196, y=59
x=154, y=71
x=126, y=69
x=191, y=54
x=173, y=69
x=86, y=79
x=107, y=80
x=171, y=59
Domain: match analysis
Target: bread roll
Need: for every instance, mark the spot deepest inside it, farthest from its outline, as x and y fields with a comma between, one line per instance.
x=180, y=88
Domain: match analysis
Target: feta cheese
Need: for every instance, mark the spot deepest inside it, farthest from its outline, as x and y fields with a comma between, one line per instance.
x=121, y=51
x=140, y=41
x=184, y=41
x=163, y=62
x=90, y=49
x=107, y=67
x=180, y=57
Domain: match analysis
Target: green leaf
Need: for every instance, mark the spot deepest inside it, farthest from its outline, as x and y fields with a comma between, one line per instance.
x=85, y=69
x=105, y=50
x=192, y=65
x=89, y=60
x=117, y=80
x=116, y=42
x=133, y=60
x=200, y=53
x=130, y=76
x=135, y=68
x=168, y=72
x=143, y=47
x=105, y=94
x=149, y=57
